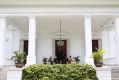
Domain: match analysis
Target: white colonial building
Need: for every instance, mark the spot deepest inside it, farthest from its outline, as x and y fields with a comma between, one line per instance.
x=35, y=26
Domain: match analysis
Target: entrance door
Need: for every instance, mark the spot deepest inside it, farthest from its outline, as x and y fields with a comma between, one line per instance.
x=26, y=46
x=25, y=49
x=61, y=49
x=94, y=45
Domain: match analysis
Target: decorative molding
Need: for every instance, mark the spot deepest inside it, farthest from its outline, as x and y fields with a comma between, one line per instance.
x=59, y=4
x=40, y=11
x=11, y=27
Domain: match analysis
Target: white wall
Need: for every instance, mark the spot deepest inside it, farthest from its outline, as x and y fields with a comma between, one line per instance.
x=77, y=47
x=109, y=45
x=11, y=43
x=45, y=48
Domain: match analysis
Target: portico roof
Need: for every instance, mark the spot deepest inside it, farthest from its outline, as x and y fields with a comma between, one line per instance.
x=61, y=3
x=61, y=0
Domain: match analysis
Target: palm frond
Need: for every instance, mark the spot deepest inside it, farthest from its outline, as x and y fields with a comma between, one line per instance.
x=18, y=57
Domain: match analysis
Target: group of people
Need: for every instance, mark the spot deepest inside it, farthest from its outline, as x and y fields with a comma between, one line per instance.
x=59, y=60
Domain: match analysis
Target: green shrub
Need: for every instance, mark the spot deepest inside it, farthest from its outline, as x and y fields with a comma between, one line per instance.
x=59, y=72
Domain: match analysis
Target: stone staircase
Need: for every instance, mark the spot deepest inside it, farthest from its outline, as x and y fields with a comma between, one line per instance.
x=115, y=73
x=3, y=74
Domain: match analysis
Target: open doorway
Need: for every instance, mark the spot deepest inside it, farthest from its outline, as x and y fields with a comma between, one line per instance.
x=95, y=45
x=62, y=48
x=61, y=51
x=25, y=48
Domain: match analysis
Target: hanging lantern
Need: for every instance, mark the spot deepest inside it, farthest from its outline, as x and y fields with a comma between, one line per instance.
x=60, y=42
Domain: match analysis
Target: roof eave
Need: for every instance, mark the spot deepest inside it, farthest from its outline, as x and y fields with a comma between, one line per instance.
x=59, y=4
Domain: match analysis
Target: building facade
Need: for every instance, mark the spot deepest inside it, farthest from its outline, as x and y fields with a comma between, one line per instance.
x=34, y=27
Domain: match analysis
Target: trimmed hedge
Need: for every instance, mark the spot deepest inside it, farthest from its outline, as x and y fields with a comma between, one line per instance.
x=59, y=72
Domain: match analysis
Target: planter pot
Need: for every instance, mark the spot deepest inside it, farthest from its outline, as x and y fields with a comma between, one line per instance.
x=98, y=63
x=19, y=65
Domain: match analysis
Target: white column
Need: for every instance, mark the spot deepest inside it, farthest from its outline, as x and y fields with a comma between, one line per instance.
x=31, y=57
x=88, y=41
x=117, y=37
x=2, y=39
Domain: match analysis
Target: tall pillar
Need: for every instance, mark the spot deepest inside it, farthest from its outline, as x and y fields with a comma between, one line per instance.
x=2, y=39
x=117, y=37
x=31, y=57
x=88, y=41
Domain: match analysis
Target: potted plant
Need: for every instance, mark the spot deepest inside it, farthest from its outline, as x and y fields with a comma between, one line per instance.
x=18, y=58
x=45, y=60
x=77, y=59
x=98, y=57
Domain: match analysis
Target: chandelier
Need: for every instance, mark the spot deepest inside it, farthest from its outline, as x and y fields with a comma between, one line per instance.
x=60, y=42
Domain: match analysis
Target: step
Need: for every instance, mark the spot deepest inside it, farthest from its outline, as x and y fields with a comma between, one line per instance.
x=115, y=73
